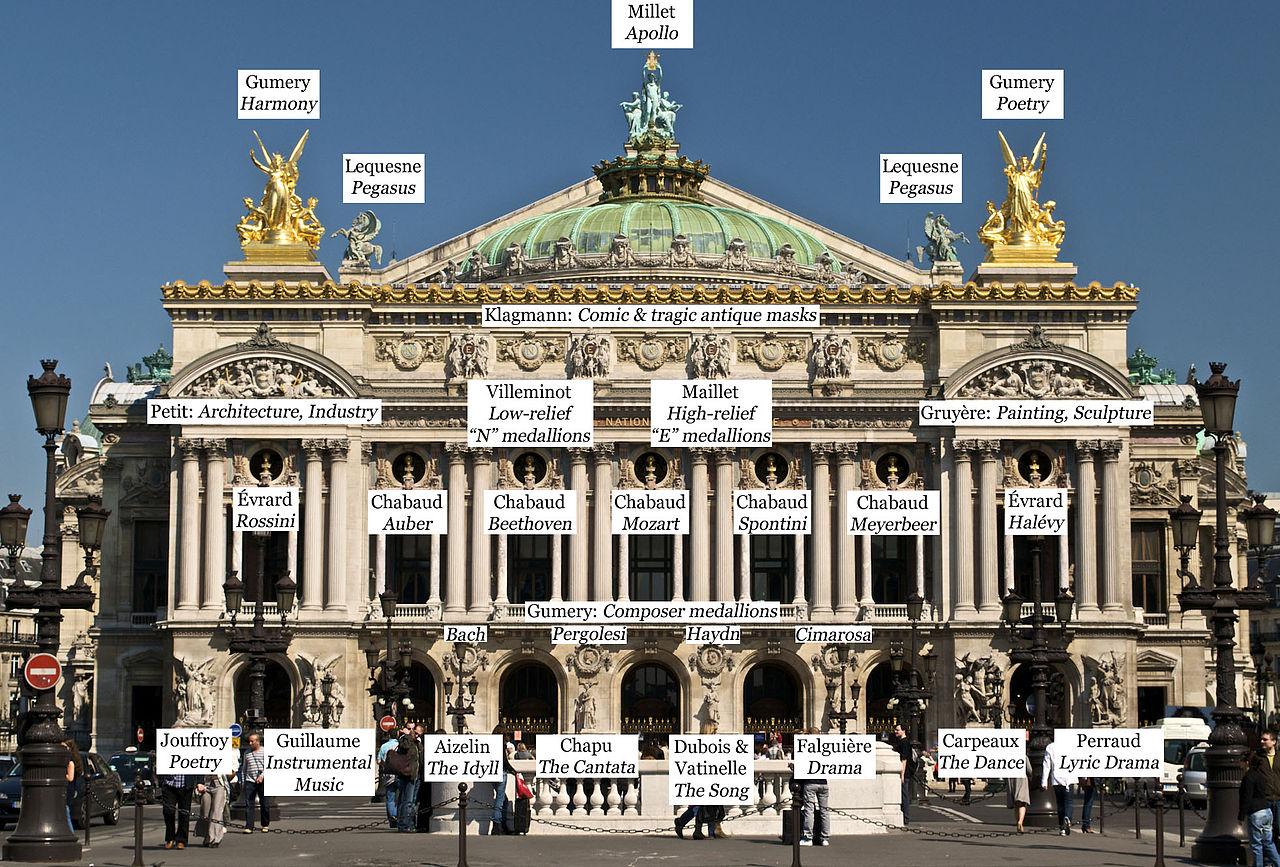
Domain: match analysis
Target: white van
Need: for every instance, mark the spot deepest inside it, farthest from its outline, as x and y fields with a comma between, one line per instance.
x=1181, y=735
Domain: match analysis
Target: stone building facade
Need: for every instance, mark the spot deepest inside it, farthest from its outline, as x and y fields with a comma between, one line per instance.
x=652, y=227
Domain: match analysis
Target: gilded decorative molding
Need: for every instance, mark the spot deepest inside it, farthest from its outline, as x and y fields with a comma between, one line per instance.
x=530, y=352
x=484, y=293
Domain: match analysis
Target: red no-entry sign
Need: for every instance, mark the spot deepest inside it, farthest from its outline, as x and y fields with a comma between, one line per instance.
x=42, y=671
x=387, y=723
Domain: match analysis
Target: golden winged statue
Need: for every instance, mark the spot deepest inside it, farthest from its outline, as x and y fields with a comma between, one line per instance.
x=280, y=218
x=1023, y=229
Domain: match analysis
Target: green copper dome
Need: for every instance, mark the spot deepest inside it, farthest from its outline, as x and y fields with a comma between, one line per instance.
x=650, y=225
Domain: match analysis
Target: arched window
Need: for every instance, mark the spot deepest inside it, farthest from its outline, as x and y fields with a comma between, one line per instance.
x=422, y=692
x=650, y=701
x=877, y=698
x=529, y=700
x=772, y=700
x=279, y=696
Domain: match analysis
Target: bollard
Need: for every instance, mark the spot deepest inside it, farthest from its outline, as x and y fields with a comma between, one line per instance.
x=1137, y=814
x=1102, y=811
x=84, y=808
x=462, y=825
x=1160, y=828
x=795, y=823
x=1182, y=817
x=137, y=827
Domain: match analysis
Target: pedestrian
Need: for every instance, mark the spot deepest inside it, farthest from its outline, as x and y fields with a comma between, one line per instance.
x=1271, y=768
x=388, y=780
x=213, y=791
x=1052, y=773
x=814, y=792
x=75, y=776
x=699, y=814
x=906, y=768
x=406, y=761
x=968, y=789
x=1255, y=811
x=1019, y=798
x=175, y=800
x=251, y=778
x=1088, y=789
x=523, y=753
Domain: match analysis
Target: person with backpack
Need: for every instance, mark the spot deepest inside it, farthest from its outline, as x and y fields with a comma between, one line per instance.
x=388, y=780
x=405, y=760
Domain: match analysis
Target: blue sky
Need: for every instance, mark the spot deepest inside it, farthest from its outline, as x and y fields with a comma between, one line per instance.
x=125, y=164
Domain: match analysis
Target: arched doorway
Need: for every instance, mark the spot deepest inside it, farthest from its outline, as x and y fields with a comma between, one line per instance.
x=650, y=701
x=529, y=700
x=278, y=707
x=878, y=698
x=772, y=701
x=1020, y=713
x=422, y=692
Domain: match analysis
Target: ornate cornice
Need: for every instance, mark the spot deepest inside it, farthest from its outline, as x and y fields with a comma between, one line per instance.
x=582, y=293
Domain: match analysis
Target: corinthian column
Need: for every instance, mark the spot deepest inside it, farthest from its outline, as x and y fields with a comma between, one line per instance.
x=311, y=593
x=724, y=525
x=820, y=569
x=962, y=522
x=601, y=531
x=455, y=591
x=988, y=555
x=846, y=582
x=1086, y=527
x=215, y=523
x=1112, y=491
x=579, y=543
x=189, y=540
x=699, y=527
x=335, y=597
x=481, y=571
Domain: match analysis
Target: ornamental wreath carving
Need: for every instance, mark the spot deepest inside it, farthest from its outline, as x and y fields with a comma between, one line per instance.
x=408, y=351
x=528, y=351
x=832, y=357
x=771, y=352
x=263, y=377
x=891, y=352
x=650, y=351
x=590, y=356
x=1150, y=486
x=468, y=356
x=1035, y=379
x=588, y=661
x=709, y=356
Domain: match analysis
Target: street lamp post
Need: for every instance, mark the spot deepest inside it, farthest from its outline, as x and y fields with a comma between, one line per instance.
x=42, y=833
x=389, y=687
x=463, y=704
x=850, y=711
x=257, y=641
x=1222, y=840
x=913, y=689
x=1040, y=657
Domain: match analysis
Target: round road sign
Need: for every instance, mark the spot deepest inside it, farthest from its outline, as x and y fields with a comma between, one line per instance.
x=42, y=671
x=236, y=730
x=387, y=723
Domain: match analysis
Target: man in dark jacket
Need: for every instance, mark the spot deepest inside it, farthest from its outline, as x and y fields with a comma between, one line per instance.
x=407, y=766
x=175, y=796
x=1271, y=771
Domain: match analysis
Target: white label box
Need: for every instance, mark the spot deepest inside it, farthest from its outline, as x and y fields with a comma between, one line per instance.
x=982, y=754
x=711, y=769
x=533, y=412
x=196, y=751
x=264, y=508
x=895, y=513
x=1035, y=511
x=649, y=512
x=524, y=513
x=595, y=634
x=395, y=179
x=833, y=635
x=701, y=633
x=408, y=512
x=666, y=24
x=592, y=757
x=1111, y=752
x=726, y=611
x=1037, y=413
x=452, y=758
x=1023, y=93
x=278, y=94
x=918, y=179
x=835, y=757
x=286, y=411
x=772, y=511
x=652, y=317
x=320, y=762
x=711, y=412
x=475, y=634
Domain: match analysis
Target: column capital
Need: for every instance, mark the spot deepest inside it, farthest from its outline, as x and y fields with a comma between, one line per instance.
x=964, y=448
x=578, y=455
x=699, y=455
x=846, y=453
x=724, y=456
x=481, y=456
x=216, y=449
x=988, y=449
x=457, y=452
x=1110, y=449
x=190, y=448
x=821, y=451
x=313, y=449
x=337, y=449
x=366, y=451
x=1085, y=449
x=603, y=452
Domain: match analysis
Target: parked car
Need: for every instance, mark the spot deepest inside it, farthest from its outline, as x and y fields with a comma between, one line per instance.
x=137, y=771
x=102, y=785
x=1193, y=776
